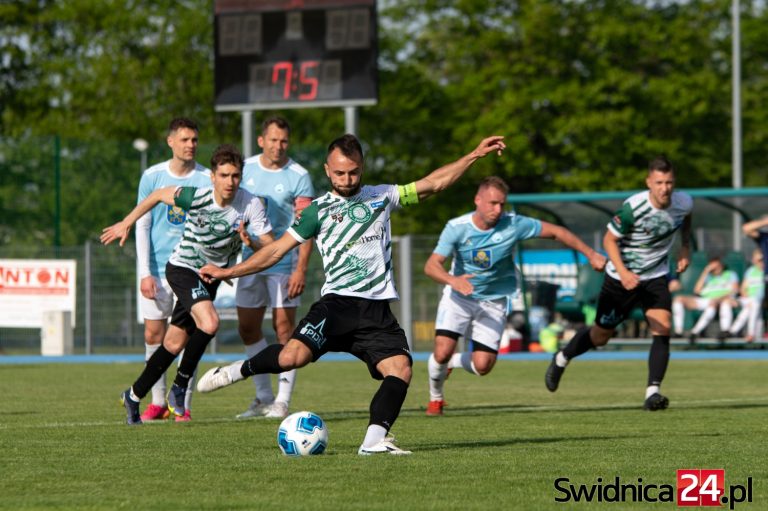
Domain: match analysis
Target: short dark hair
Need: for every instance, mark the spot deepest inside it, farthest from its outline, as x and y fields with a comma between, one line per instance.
x=494, y=182
x=348, y=145
x=181, y=122
x=277, y=121
x=660, y=164
x=226, y=153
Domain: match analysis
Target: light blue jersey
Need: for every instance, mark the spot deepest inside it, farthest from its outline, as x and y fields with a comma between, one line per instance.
x=167, y=221
x=488, y=255
x=280, y=189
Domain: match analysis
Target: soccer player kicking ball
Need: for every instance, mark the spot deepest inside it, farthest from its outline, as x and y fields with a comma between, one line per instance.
x=638, y=242
x=351, y=226
x=482, y=276
x=215, y=230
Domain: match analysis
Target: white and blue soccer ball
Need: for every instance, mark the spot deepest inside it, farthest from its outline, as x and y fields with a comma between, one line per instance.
x=302, y=434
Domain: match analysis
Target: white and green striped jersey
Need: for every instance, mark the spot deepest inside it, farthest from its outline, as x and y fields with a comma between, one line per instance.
x=210, y=232
x=647, y=233
x=353, y=237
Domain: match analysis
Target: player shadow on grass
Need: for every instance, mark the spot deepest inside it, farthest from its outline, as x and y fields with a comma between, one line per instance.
x=474, y=444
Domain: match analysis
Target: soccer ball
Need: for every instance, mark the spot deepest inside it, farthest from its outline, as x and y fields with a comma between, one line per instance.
x=302, y=434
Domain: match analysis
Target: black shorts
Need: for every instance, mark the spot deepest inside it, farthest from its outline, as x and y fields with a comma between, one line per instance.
x=615, y=302
x=365, y=328
x=189, y=290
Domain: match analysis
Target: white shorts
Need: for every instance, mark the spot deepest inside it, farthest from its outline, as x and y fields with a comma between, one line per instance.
x=257, y=290
x=161, y=307
x=481, y=321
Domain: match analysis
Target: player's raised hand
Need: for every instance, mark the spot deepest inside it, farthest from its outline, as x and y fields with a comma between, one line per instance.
x=490, y=144
x=462, y=285
x=118, y=231
x=210, y=272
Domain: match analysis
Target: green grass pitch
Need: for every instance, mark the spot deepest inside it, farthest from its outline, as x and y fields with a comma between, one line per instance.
x=502, y=443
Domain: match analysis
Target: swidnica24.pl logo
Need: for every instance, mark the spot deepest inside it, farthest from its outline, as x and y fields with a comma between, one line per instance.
x=694, y=487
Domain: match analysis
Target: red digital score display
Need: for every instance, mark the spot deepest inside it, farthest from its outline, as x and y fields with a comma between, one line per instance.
x=295, y=53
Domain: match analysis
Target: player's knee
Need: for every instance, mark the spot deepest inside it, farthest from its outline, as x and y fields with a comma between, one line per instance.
x=294, y=356
x=209, y=324
x=600, y=336
x=248, y=334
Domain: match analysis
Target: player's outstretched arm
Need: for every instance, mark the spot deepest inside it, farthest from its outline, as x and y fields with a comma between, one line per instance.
x=570, y=240
x=121, y=229
x=264, y=258
x=440, y=179
x=751, y=228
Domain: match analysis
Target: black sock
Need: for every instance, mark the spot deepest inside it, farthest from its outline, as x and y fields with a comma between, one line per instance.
x=264, y=361
x=658, y=359
x=157, y=364
x=386, y=403
x=579, y=344
x=193, y=352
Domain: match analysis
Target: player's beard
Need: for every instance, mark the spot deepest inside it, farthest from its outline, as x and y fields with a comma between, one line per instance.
x=346, y=192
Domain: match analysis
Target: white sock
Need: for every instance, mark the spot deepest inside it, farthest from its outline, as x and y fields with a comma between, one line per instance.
x=262, y=382
x=374, y=435
x=678, y=317
x=234, y=370
x=159, y=389
x=285, y=382
x=704, y=320
x=463, y=360
x=190, y=391
x=560, y=360
x=133, y=396
x=726, y=316
x=437, y=373
x=651, y=390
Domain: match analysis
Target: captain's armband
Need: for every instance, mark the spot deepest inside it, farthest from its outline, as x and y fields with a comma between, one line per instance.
x=408, y=194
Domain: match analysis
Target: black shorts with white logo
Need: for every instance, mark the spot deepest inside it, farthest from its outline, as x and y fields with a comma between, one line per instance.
x=365, y=328
x=615, y=302
x=189, y=290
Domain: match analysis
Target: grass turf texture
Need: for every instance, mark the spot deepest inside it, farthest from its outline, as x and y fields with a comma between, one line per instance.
x=501, y=444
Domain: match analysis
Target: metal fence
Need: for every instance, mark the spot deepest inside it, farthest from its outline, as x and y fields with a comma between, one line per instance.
x=106, y=310
x=106, y=319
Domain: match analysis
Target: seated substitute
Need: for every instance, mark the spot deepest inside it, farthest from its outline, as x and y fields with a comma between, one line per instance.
x=715, y=290
x=751, y=299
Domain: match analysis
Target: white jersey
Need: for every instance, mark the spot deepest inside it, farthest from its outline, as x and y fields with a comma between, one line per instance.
x=646, y=233
x=210, y=233
x=353, y=237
